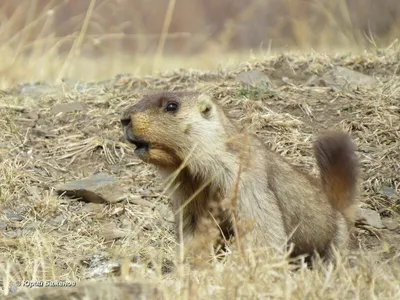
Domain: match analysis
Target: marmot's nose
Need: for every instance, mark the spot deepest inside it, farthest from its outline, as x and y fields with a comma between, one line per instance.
x=125, y=121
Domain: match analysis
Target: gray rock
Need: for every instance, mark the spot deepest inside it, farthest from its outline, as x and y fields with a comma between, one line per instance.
x=93, y=208
x=345, y=78
x=138, y=200
x=127, y=224
x=3, y=226
x=67, y=107
x=33, y=190
x=33, y=115
x=13, y=289
x=13, y=234
x=5, y=147
x=391, y=224
x=389, y=192
x=166, y=212
x=99, y=188
x=369, y=217
x=57, y=221
x=111, y=233
x=104, y=269
x=99, y=265
x=12, y=216
x=252, y=78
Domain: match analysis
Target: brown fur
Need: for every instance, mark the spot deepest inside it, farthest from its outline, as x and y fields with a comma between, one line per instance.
x=283, y=204
x=336, y=160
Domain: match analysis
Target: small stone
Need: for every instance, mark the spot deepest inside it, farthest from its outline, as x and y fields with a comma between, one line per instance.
x=45, y=133
x=391, y=224
x=252, y=78
x=33, y=190
x=57, y=221
x=12, y=216
x=99, y=188
x=13, y=234
x=117, y=211
x=90, y=130
x=103, y=269
x=13, y=289
x=369, y=217
x=111, y=232
x=166, y=213
x=345, y=78
x=211, y=75
x=33, y=115
x=138, y=200
x=67, y=107
x=95, y=208
x=30, y=226
x=3, y=226
x=389, y=192
x=126, y=224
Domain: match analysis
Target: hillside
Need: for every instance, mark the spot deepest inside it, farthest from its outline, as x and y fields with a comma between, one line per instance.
x=52, y=134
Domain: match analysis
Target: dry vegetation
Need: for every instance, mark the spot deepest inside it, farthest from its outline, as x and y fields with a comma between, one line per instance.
x=50, y=237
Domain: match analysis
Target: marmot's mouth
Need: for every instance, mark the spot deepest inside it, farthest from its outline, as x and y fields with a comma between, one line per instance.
x=140, y=144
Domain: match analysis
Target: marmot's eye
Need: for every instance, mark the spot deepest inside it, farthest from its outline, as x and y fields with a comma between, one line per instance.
x=171, y=107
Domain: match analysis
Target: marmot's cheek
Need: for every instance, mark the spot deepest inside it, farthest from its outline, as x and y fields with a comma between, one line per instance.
x=161, y=158
x=140, y=123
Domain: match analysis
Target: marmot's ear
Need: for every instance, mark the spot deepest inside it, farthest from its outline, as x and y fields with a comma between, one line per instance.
x=205, y=105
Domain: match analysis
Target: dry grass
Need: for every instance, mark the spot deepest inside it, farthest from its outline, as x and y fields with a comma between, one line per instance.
x=45, y=40
x=63, y=239
x=132, y=242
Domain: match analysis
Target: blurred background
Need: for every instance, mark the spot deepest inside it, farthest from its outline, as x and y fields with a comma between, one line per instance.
x=56, y=38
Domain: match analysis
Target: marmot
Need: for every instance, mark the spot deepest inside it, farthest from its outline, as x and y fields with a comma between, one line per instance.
x=217, y=160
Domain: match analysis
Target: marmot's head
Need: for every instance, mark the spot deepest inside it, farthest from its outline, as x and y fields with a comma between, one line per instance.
x=165, y=127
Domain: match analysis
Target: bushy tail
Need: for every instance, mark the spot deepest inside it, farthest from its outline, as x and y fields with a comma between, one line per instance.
x=336, y=159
